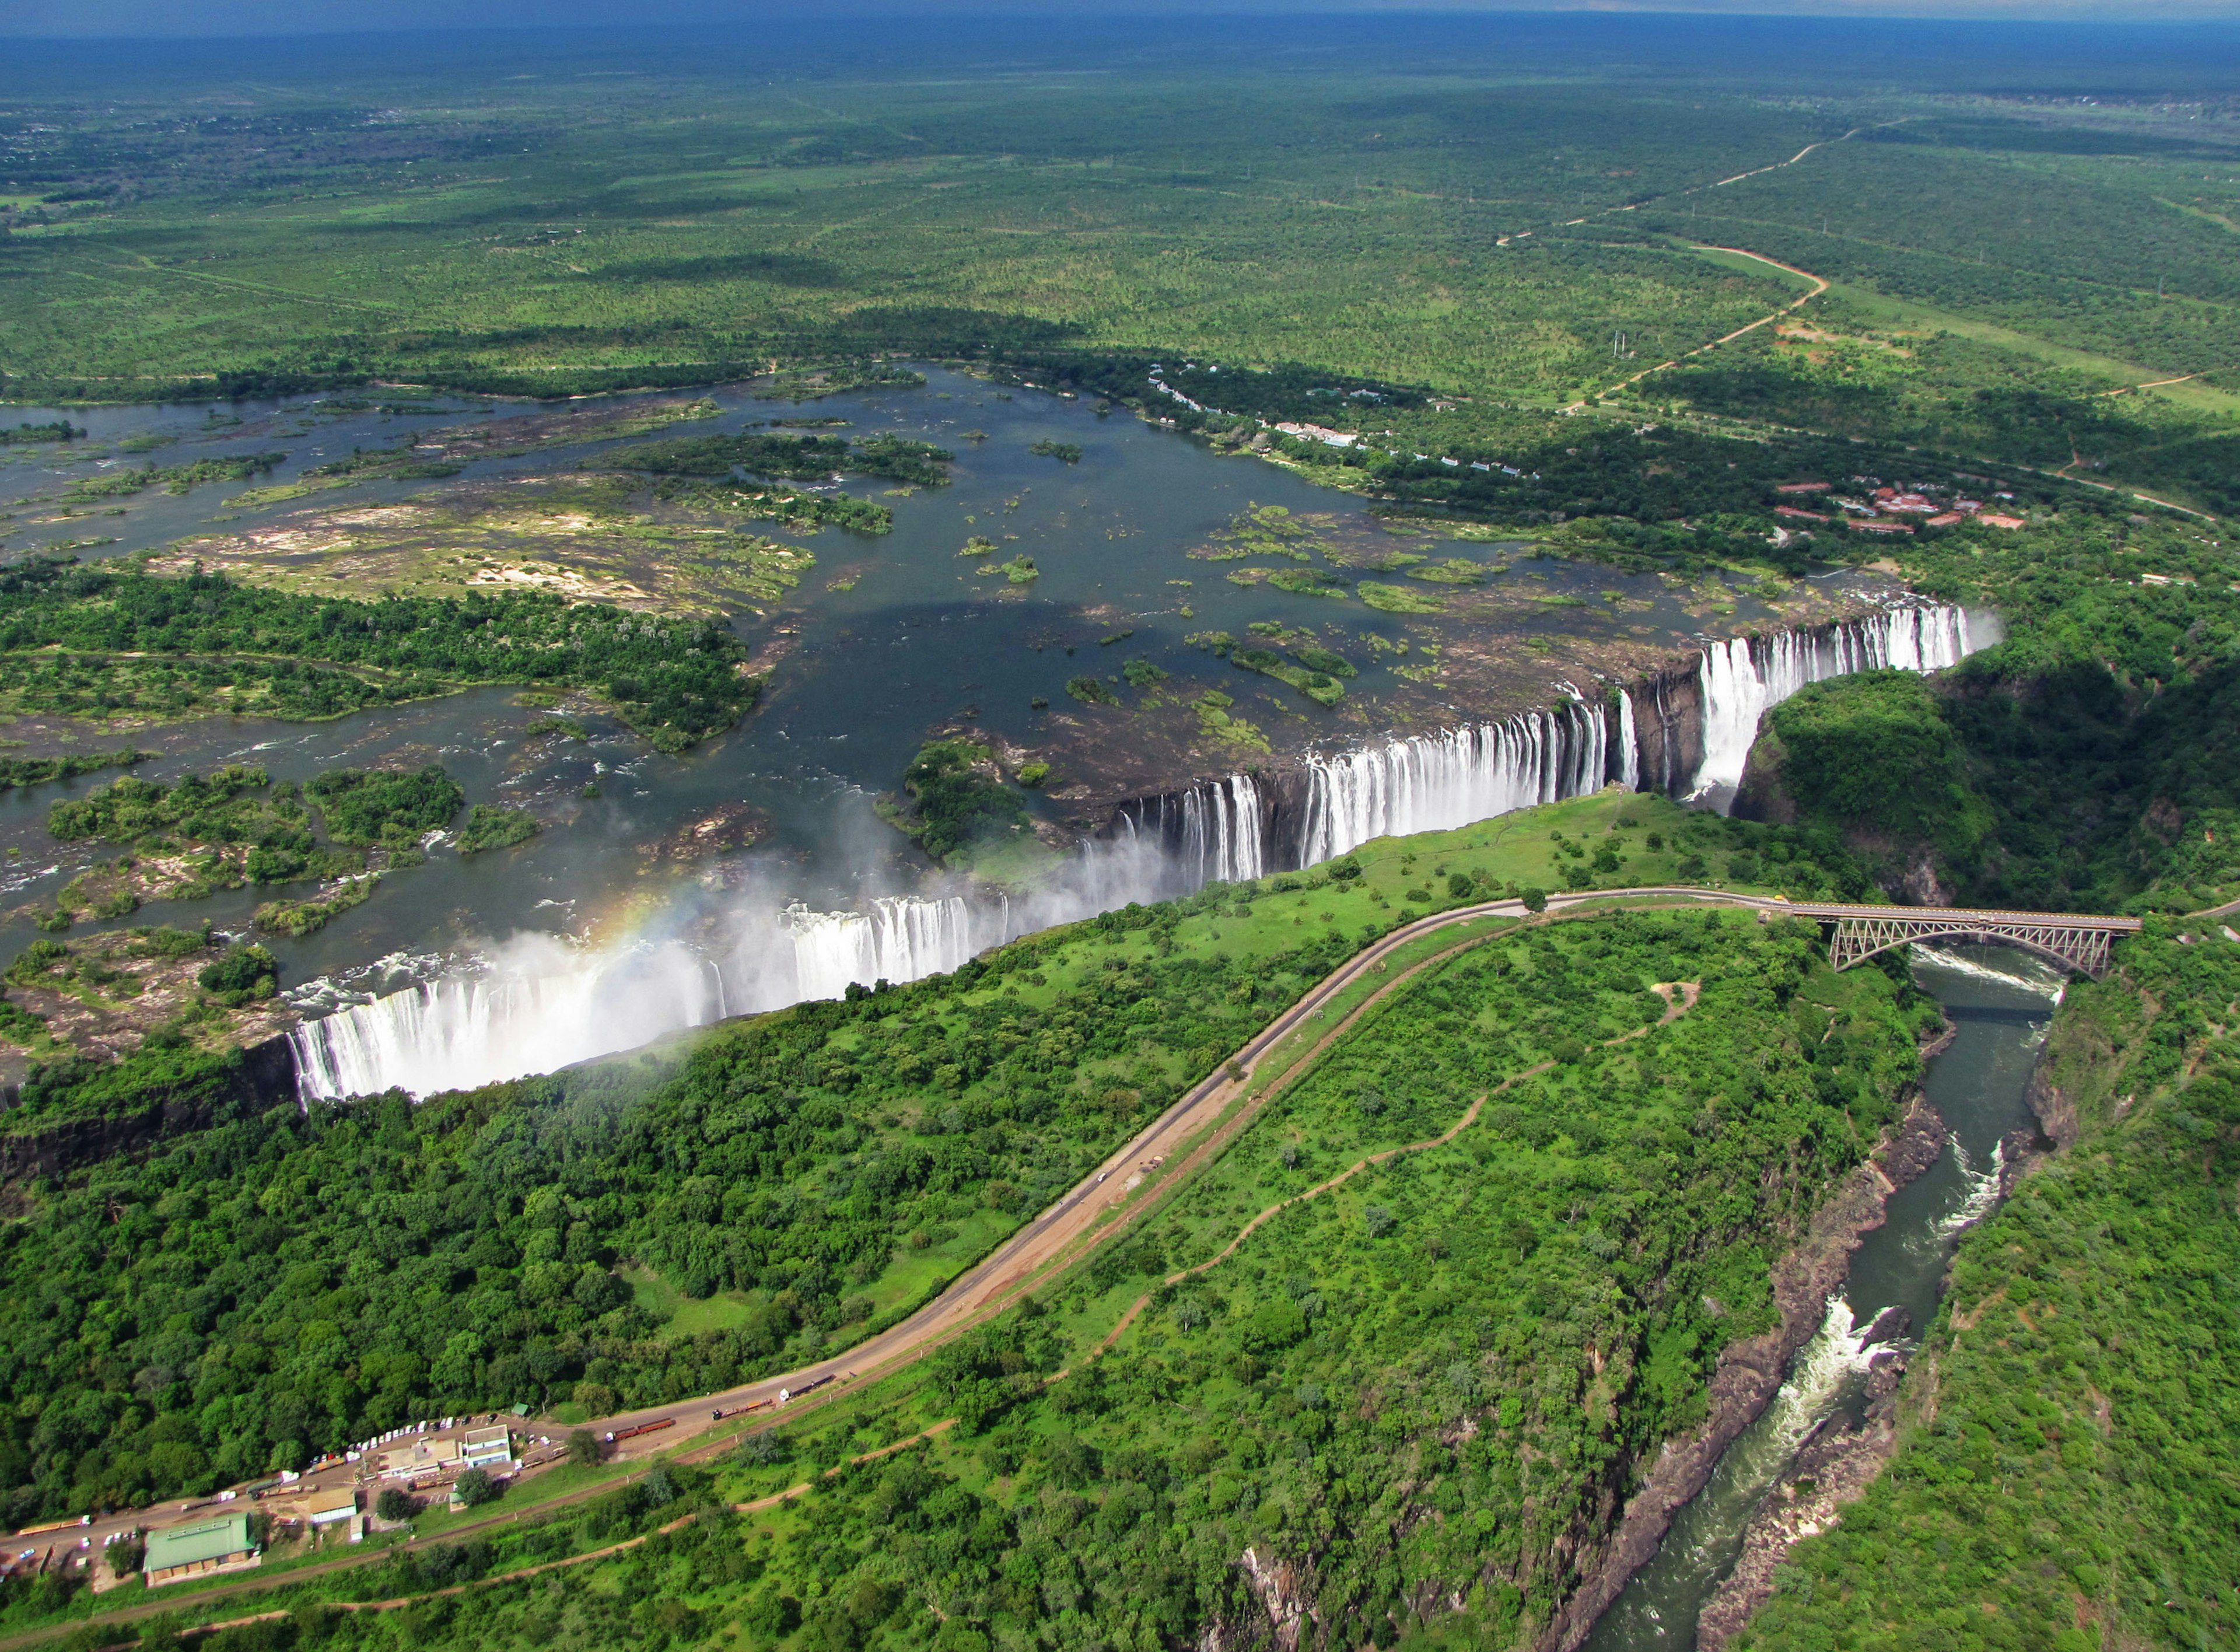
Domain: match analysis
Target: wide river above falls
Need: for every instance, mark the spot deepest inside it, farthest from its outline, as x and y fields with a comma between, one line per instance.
x=688, y=865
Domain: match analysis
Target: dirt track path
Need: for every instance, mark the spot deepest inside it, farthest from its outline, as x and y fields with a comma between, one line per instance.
x=1820, y=284
x=1688, y=990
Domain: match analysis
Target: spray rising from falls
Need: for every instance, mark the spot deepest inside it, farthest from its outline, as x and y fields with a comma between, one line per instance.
x=540, y=1005
x=540, y=1008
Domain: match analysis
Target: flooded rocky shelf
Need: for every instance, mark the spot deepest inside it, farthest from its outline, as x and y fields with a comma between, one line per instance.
x=1203, y=637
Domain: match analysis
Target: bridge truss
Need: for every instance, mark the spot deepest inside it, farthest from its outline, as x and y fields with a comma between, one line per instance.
x=2081, y=942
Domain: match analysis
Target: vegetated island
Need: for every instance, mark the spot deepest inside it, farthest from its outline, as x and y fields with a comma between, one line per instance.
x=130, y=648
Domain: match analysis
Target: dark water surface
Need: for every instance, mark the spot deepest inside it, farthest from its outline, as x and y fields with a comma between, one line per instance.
x=918, y=642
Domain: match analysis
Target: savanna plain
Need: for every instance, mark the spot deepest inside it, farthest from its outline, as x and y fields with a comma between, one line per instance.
x=452, y=481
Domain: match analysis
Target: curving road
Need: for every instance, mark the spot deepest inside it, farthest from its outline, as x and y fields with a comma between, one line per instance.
x=1195, y=1128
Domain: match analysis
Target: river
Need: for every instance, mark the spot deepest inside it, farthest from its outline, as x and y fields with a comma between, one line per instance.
x=754, y=870
x=1999, y=1001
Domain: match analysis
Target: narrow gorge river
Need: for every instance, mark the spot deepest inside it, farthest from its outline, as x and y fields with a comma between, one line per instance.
x=1999, y=1002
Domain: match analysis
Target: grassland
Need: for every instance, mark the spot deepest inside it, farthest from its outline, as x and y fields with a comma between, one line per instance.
x=1508, y=244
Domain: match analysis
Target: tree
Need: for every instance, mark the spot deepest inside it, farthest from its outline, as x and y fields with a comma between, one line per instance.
x=583, y=1449
x=1535, y=899
x=396, y=1503
x=474, y=1488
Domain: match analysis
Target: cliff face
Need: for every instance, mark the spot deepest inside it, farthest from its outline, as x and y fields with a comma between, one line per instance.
x=1668, y=747
x=1762, y=795
x=1667, y=715
x=263, y=1078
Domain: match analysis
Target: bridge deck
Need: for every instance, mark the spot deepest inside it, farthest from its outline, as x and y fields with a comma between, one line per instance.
x=1961, y=915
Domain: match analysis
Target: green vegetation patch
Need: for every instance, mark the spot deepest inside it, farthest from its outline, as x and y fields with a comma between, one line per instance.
x=1454, y=570
x=205, y=833
x=489, y=826
x=1320, y=686
x=378, y=807
x=1395, y=599
x=802, y=458
x=24, y=432
x=172, y=478
x=110, y=643
x=1067, y=451
x=37, y=771
x=1873, y=753
x=957, y=795
x=1266, y=530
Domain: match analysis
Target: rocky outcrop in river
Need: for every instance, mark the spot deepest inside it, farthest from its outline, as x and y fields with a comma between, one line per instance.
x=1751, y=1372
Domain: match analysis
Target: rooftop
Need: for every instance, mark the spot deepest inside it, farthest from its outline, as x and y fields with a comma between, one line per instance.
x=204, y=1540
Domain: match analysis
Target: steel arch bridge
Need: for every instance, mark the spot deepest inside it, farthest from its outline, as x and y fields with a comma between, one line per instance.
x=2076, y=941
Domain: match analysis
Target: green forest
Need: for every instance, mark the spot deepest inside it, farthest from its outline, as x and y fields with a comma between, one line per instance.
x=1383, y=1365
x=1526, y=1273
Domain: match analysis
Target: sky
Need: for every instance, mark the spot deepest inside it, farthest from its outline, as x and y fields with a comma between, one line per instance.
x=144, y=19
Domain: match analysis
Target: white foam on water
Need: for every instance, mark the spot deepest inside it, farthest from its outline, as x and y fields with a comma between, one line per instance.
x=1983, y=1190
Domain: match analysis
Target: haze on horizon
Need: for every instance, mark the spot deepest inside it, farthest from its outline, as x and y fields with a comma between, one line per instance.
x=151, y=19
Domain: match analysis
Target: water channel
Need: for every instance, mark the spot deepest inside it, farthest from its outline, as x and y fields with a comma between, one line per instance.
x=2000, y=1002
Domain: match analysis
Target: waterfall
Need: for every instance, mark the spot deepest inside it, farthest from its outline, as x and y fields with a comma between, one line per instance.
x=1745, y=676
x=551, y=1005
x=1210, y=833
x=464, y=1030
x=900, y=938
x=1629, y=744
x=539, y=1004
x=1437, y=782
x=542, y=1005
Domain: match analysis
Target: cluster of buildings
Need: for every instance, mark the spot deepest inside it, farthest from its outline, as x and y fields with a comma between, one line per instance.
x=1890, y=509
x=420, y=1457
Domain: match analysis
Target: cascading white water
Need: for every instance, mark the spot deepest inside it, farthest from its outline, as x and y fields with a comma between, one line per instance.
x=1210, y=833
x=1744, y=677
x=1437, y=782
x=1629, y=744
x=900, y=938
x=541, y=1005
x=464, y=1030
x=1984, y=1187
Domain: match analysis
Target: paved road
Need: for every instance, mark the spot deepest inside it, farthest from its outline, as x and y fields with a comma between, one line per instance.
x=1029, y=1254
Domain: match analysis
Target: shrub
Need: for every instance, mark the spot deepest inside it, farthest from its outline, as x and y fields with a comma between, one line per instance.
x=241, y=974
